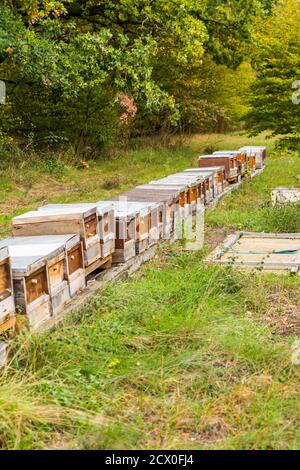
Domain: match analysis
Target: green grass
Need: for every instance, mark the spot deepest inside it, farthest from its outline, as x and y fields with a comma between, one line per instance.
x=178, y=356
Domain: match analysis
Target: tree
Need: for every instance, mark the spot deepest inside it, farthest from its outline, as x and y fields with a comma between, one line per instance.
x=276, y=58
x=70, y=60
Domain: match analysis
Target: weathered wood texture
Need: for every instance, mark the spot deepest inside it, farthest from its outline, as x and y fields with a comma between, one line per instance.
x=240, y=157
x=286, y=196
x=59, y=220
x=229, y=162
x=270, y=252
x=41, y=276
x=97, y=283
x=167, y=200
x=105, y=220
x=258, y=153
x=3, y=354
x=7, y=305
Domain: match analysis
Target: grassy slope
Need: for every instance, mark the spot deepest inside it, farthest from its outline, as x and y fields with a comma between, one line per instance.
x=178, y=356
x=37, y=183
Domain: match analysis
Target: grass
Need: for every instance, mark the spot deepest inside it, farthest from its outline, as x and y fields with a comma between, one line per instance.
x=179, y=356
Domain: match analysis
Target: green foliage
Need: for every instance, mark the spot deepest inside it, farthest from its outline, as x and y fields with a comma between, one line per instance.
x=68, y=61
x=276, y=59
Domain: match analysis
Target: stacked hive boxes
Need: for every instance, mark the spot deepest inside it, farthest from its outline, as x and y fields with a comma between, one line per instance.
x=57, y=247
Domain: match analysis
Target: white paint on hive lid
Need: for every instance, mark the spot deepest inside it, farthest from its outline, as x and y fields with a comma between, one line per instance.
x=76, y=211
x=4, y=253
x=176, y=186
x=68, y=241
x=256, y=151
x=26, y=264
x=187, y=180
x=208, y=168
x=182, y=176
x=209, y=157
x=129, y=208
x=25, y=258
x=229, y=152
x=101, y=206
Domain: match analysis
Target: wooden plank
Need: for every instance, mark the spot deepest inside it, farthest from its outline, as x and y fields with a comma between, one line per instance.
x=48, y=227
x=259, y=251
x=101, y=263
x=36, y=285
x=8, y=324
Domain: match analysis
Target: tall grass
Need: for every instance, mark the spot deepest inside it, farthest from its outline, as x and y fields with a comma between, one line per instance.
x=180, y=355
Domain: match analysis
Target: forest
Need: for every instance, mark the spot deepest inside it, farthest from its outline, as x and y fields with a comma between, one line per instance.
x=86, y=75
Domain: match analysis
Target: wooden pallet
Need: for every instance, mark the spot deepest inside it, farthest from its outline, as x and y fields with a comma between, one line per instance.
x=261, y=251
x=104, y=263
x=285, y=196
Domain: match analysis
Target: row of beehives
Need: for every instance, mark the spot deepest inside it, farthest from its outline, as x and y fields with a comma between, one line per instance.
x=55, y=248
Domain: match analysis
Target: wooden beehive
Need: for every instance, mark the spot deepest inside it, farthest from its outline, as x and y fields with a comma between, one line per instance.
x=260, y=154
x=210, y=175
x=219, y=177
x=106, y=214
x=41, y=274
x=77, y=219
x=229, y=162
x=172, y=213
x=167, y=199
x=106, y=222
x=31, y=288
x=71, y=263
x=148, y=224
x=260, y=251
x=286, y=196
x=7, y=305
x=126, y=231
x=203, y=183
x=241, y=158
x=193, y=183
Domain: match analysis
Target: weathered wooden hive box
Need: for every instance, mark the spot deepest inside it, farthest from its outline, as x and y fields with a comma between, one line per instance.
x=31, y=287
x=147, y=221
x=168, y=200
x=107, y=227
x=260, y=154
x=42, y=281
x=204, y=182
x=7, y=304
x=278, y=253
x=190, y=187
x=69, y=264
x=193, y=187
x=126, y=232
x=173, y=211
x=229, y=162
x=215, y=179
x=76, y=219
x=148, y=229
x=207, y=185
x=143, y=221
x=106, y=223
x=286, y=196
x=240, y=157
